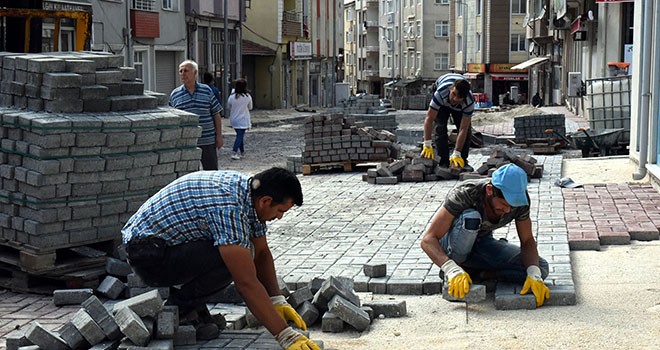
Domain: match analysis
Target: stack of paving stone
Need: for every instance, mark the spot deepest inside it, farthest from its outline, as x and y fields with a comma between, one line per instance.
x=365, y=104
x=90, y=151
x=414, y=168
x=534, y=126
x=337, y=138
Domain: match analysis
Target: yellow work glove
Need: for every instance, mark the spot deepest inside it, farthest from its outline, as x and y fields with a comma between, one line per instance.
x=287, y=312
x=456, y=160
x=292, y=340
x=535, y=283
x=459, y=280
x=427, y=150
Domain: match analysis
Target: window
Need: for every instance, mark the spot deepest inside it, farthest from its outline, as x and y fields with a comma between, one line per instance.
x=519, y=6
x=477, y=42
x=441, y=61
x=144, y=4
x=478, y=5
x=442, y=2
x=441, y=28
x=172, y=5
x=405, y=60
x=419, y=29
x=517, y=42
x=459, y=43
x=138, y=64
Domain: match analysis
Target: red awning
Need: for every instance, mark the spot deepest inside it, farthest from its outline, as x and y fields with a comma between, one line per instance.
x=504, y=76
x=251, y=48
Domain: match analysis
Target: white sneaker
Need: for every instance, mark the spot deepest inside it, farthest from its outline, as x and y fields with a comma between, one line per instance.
x=235, y=156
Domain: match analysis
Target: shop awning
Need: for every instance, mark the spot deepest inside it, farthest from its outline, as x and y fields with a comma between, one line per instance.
x=472, y=75
x=404, y=82
x=389, y=83
x=504, y=76
x=531, y=62
x=251, y=48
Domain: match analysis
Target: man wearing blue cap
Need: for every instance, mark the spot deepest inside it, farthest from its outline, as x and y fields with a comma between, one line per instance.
x=461, y=235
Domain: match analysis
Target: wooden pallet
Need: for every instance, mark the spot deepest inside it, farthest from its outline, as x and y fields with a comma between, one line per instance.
x=19, y=281
x=345, y=166
x=58, y=261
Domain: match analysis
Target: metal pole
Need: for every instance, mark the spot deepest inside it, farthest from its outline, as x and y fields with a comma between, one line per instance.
x=129, y=40
x=334, y=54
x=464, y=35
x=225, y=56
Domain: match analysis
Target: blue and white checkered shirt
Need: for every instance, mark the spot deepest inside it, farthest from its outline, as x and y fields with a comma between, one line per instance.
x=204, y=205
x=201, y=102
x=441, y=95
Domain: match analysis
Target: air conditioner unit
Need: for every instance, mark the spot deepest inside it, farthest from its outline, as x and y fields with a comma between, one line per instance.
x=390, y=17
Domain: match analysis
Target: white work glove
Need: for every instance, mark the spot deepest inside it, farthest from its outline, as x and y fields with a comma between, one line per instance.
x=459, y=280
x=535, y=283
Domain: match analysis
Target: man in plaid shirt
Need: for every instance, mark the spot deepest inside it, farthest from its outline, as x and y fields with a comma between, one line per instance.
x=207, y=229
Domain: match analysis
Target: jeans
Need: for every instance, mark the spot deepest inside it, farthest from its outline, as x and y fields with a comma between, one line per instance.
x=238, y=143
x=209, y=157
x=463, y=246
x=441, y=137
x=196, y=266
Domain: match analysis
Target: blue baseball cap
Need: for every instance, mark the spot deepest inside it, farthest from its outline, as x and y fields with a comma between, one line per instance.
x=512, y=181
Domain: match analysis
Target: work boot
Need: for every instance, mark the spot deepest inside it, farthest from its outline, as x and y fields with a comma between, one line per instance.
x=467, y=168
x=206, y=317
x=206, y=331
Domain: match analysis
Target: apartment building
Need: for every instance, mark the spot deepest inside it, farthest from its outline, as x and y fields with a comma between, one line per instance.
x=150, y=34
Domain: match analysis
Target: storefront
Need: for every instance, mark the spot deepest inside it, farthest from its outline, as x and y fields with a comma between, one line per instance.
x=501, y=79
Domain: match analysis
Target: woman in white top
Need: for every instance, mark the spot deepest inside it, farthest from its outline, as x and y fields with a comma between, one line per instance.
x=240, y=104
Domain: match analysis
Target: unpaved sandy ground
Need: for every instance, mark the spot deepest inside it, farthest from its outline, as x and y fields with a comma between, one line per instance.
x=618, y=288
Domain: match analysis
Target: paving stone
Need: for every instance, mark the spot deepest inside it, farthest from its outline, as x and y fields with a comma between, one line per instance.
x=147, y=304
x=16, y=339
x=111, y=287
x=308, y=312
x=387, y=308
x=299, y=296
x=117, y=267
x=72, y=336
x=167, y=322
x=102, y=317
x=507, y=297
x=45, y=339
x=132, y=326
x=561, y=295
x=71, y=296
x=185, y=335
x=106, y=345
x=477, y=293
x=349, y=313
x=89, y=329
x=331, y=323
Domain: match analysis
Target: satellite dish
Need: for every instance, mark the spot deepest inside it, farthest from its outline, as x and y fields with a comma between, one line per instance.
x=532, y=46
x=525, y=21
x=590, y=15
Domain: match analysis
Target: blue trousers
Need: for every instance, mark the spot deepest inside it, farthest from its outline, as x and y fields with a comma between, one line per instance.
x=463, y=246
x=238, y=143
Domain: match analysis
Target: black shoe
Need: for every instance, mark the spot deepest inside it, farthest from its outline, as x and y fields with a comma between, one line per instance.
x=206, y=317
x=206, y=331
x=467, y=168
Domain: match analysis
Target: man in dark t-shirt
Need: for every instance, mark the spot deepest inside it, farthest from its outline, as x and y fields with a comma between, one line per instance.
x=461, y=235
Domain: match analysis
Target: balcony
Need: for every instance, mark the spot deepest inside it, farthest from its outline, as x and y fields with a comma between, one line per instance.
x=144, y=24
x=371, y=49
x=292, y=24
x=371, y=73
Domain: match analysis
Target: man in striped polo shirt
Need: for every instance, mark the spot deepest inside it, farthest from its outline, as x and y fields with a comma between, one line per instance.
x=207, y=229
x=452, y=97
x=199, y=99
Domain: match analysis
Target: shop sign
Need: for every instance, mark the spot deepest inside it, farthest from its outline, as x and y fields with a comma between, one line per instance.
x=504, y=68
x=476, y=68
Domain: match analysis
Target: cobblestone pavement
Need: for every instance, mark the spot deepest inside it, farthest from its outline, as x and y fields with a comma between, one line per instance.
x=344, y=223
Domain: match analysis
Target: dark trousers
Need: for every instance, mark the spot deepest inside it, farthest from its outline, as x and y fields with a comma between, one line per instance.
x=442, y=139
x=196, y=266
x=209, y=157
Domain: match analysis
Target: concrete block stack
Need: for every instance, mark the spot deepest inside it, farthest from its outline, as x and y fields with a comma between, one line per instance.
x=534, y=126
x=336, y=138
x=81, y=148
x=365, y=104
x=378, y=121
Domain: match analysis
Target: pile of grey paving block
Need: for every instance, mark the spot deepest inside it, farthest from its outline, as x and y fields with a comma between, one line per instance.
x=141, y=321
x=534, y=126
x=366, y=104
x=82, y=147
x=339, y=138
x=414, y=168
x=294, y=163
